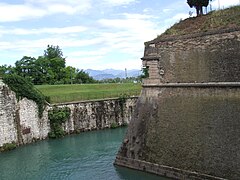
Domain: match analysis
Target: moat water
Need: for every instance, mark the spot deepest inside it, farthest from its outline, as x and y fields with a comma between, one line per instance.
x=88, y=155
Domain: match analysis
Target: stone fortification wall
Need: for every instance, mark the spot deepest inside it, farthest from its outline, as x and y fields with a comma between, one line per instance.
x=20, y=123
x=7, y=117
x=31, y=127
x=186, y=122
x=94, y=115
x=209, y=58
x=192, y=129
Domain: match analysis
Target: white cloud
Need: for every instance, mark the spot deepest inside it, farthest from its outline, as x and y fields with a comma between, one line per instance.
x=10, y=13
x=37, y=9
x=64, y=42
x=63, y=30
x=90, y=53
x=90, y=46
x=216, y=4
x=127, y=63
x=93, y=62
x=141, y=27
x=167, y=10
x=138, y=16
x=119, y=2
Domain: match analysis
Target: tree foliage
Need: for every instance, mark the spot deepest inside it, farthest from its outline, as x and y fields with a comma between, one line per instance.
x=5, y=69
x=53, y=52
x=57, y=116
x=50, y=68
x=83, y=78
x=198, y=5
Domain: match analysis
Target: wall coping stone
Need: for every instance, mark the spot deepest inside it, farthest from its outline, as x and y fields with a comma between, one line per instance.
x=190, y=36
x=209, y=84
x=89, y=101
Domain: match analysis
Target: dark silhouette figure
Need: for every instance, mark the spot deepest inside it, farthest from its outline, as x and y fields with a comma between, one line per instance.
x=198, y=5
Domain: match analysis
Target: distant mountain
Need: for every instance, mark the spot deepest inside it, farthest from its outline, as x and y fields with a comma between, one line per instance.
x=112, y=73
x=103, y=76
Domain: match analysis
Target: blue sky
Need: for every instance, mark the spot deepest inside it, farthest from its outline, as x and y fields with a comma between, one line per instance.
x=95, y=34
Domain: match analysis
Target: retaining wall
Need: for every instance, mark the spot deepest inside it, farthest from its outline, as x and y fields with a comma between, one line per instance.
x=20, y=123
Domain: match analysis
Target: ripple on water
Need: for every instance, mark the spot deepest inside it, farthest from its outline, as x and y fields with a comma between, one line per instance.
x=87, y=156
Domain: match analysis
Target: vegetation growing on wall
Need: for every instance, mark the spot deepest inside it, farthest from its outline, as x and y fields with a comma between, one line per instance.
x=145, y=72
x=113, y=125
x=122, y=100
x=24, y=88
x=221, y=19
x=57, y=116
x=8, y=146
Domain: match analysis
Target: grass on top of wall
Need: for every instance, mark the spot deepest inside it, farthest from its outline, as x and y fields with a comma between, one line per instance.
x=79, y=92
x=214, y=20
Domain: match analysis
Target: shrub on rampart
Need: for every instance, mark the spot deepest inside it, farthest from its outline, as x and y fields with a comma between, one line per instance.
x=24, y=88
x=57, y=116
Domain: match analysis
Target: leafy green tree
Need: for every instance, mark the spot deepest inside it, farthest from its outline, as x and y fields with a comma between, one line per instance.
x=50, y=68
x=83, y=78
x=70, y=75
x=198, y=5
x=54, y=64
x=26, y=67
x=5, y=69
x=53, y=52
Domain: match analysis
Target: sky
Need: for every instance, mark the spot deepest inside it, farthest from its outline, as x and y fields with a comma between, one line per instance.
x=93, y=34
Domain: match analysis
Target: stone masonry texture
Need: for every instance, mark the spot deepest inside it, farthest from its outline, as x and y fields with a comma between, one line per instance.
x=20, y=123
x=186, y=122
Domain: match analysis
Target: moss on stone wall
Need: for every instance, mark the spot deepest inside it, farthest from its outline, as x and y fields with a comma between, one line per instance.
x=24, y=88
x=8, y=146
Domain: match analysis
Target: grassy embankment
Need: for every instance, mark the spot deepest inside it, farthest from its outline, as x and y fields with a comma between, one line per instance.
x=221, y=19
x=79, y=92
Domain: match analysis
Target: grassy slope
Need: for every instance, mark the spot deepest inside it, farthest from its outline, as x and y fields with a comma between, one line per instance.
x=227, y=18
x=78, y=92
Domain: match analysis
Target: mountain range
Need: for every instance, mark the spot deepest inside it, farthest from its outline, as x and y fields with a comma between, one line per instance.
x=112, y=73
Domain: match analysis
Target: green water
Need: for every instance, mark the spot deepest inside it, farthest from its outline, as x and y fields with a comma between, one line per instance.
x=87, y=156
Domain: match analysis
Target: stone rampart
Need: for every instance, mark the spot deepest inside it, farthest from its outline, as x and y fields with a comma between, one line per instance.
x=19, y=120
x=95, y=115
x=209, y=58
x=20, y=123
x=8, y=104
x=186, y=122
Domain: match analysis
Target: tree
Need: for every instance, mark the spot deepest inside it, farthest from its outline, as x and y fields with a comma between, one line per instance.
x=26, y=67
x=198, y=5
x=53, y=56
x=5, y=69
x=83, y=78
x=70, y=75
x=53, y=52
